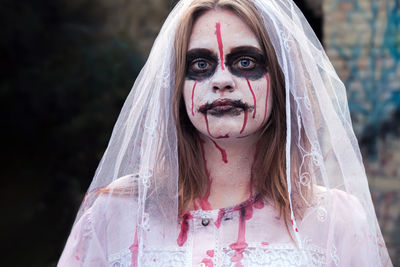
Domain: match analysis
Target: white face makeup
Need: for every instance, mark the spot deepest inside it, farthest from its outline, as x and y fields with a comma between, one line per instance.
x=227, y=89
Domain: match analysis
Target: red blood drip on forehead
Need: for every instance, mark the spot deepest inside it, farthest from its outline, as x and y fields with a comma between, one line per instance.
x=244, y=121
x=194, y=86
x=220, y=46
x=254, y=98
x=266, y=99
x=223, y=152
x=184, y=229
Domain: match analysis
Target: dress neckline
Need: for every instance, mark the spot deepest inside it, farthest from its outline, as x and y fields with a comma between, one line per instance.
x=200, y=212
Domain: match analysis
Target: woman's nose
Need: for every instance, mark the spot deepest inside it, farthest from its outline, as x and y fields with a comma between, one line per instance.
x=222, y=80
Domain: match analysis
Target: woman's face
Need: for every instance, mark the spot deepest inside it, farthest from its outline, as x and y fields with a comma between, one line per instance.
x=226, y=91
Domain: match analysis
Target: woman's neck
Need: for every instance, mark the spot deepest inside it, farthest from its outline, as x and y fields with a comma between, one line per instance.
x=229, y=166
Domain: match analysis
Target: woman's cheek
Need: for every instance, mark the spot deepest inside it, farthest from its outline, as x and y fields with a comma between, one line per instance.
x=187, y=98
x=192, y=99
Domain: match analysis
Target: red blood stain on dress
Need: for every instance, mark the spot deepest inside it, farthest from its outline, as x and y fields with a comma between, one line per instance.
x=134, y=249
x=208, y=262
x=210, y=253
x=245, y=214
x=221, y=214
x=259, y=204
x=194, y=86
x=254, y=98
x=184, y=229
x=220, y=46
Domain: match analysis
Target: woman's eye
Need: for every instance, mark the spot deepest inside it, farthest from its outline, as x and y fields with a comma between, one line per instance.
x=245, y=64
x=200, y=65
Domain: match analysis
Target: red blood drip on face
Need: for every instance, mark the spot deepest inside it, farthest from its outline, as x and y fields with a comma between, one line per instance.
x=184, y=229
x=194, y=86
x=210, y=253
x=203, y=202
x=221, y=214
x=223, y=136
x=220, y=46
x=266, y=99
x=134, y=250
x=208, y=262
x=223, y=152
x=254, y=99
x=244, y=121
x=208, y=128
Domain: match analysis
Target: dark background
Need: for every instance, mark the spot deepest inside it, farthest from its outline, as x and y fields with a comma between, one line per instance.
x=64, y=76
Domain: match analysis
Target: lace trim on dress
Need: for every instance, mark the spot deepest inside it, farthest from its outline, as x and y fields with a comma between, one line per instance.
x=150, y=258
x=278, y=255
x=282, y=255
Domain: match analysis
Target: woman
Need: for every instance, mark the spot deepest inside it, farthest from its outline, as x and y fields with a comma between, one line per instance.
x=234, y=148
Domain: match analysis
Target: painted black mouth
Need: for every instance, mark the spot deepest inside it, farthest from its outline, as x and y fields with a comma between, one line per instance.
x=222, y=107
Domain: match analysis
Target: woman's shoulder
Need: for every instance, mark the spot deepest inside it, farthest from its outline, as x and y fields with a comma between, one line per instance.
x=338, y=200
x=115, y=199
x=335, y=206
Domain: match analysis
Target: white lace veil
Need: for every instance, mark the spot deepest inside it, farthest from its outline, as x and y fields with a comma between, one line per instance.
x=141, y=161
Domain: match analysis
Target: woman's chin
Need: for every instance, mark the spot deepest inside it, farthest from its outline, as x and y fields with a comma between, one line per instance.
x=226, y=127
x=227, y=133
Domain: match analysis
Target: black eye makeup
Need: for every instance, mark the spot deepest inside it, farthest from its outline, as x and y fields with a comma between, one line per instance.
x=247, y=62
x=244, y=61
x=201, y=64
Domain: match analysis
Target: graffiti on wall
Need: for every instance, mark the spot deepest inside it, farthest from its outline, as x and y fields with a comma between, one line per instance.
x=372, y=56
x=362, y=38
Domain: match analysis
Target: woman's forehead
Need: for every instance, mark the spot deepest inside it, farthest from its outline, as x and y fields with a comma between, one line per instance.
x=221, y=25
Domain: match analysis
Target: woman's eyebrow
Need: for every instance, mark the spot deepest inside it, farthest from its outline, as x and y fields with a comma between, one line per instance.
x=249, y=50
x=200, y=52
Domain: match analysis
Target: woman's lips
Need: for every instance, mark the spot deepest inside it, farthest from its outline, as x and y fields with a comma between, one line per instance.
x=221, y=107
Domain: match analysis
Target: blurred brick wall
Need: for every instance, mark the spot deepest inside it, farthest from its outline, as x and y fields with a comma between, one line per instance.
x=362, y=39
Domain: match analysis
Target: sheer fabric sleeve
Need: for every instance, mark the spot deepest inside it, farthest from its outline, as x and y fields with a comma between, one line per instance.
x=86, y=243
x=354, y=245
